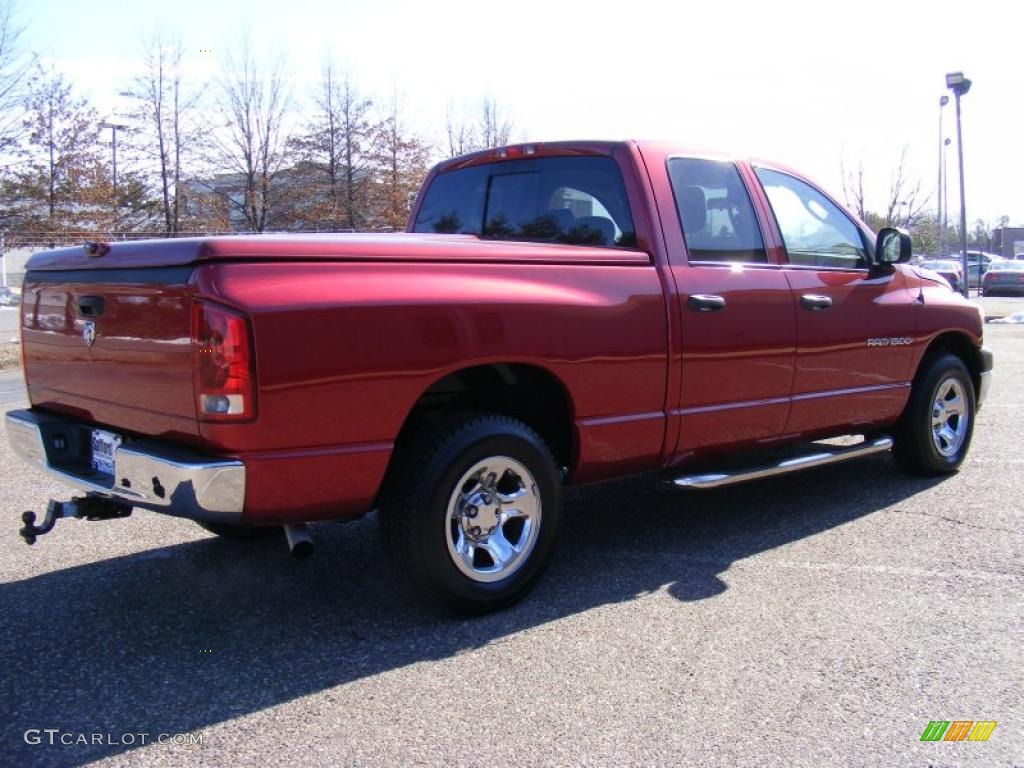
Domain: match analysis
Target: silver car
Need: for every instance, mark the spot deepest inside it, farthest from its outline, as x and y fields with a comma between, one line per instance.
x=9, y=297
x=1004, y=277
x=978, y=263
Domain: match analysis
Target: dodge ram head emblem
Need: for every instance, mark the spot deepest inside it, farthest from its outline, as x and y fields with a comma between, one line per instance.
x=89, y=333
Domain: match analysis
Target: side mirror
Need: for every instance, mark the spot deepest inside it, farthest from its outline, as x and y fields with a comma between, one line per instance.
x=892, y=246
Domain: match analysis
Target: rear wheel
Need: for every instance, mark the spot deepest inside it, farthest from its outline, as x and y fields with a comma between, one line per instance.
x=470, y=513
x=935, y=431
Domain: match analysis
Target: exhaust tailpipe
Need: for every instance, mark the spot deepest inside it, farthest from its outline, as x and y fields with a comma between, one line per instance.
x=300, y=543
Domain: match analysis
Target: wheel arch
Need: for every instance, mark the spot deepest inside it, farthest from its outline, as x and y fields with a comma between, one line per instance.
x=525, y=391
x=955, y=343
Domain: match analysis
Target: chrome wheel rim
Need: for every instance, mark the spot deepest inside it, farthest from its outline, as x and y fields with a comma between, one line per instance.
x=950, y=417
x=493, y=519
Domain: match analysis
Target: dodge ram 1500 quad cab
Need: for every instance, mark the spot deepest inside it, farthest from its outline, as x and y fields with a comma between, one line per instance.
x=556, y=314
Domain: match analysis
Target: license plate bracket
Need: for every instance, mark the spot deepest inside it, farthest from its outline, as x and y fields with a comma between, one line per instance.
x=104, y=445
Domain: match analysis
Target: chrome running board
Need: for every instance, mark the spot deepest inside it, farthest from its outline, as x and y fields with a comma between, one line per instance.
x=819, y=459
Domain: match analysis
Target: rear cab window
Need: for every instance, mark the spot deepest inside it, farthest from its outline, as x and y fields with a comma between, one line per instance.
x=572, y=200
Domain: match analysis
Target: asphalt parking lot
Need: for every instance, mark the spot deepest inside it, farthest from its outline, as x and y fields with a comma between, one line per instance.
x=821, y=619
x=8, y=324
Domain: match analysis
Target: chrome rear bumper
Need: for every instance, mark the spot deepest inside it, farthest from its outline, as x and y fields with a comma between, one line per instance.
x=148, y=474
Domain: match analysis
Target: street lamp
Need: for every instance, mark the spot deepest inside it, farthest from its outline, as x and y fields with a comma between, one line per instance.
x=943, y=101
x=114, y=128
x=960, y=85
x=945, y=189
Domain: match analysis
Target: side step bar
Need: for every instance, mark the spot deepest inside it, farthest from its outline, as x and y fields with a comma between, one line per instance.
x=820, y=459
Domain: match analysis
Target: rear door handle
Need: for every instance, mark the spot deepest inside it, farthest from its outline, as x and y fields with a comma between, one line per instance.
x=705, y=302
x=90, y=306
x=815, y=303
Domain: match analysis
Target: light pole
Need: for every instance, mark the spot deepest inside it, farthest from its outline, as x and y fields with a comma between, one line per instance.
x=960, y=85
x=943, y=101
x=945, y=188
x=114, y=128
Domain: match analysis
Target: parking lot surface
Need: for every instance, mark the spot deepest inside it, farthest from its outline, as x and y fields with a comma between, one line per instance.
x=8, y=324
x=821, y=619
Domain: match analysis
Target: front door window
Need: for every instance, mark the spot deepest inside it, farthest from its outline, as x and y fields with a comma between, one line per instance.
x=815, y=232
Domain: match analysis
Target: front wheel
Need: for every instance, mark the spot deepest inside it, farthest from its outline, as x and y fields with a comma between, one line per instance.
x=470, y=512
x=934, y=433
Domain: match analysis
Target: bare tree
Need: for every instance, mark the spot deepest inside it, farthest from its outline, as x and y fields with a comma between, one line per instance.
x=337, y=142
x=15, y=66
x=853, y=188
x=165, y=108
x=401, y=165
x=495, y=127
x=906, y=203
x=357, y=137
x=492, y=128
x=459, y=133
x=253, y=102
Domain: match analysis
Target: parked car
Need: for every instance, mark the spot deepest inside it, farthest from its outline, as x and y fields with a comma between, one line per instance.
x=1006, y=278
x=947, y=269
x=978, y=263
x=556, y=314
x=9, y=297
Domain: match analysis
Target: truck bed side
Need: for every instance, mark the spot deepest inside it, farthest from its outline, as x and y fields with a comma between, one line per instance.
x=345, y=351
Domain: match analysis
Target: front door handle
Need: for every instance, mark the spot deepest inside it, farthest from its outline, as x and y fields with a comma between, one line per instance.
x=815, y=303
x=705, y=302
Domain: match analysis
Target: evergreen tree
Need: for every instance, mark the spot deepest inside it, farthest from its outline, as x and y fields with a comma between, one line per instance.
x=60, y=179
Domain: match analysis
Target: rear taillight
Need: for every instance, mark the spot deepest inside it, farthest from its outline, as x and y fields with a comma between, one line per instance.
x=222, y=363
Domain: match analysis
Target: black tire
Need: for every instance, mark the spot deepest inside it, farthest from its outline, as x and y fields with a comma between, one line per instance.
x=915, y=446
x=242, y=532
x=420, y=537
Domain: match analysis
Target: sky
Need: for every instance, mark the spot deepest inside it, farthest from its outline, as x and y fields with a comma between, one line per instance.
x=807, y=84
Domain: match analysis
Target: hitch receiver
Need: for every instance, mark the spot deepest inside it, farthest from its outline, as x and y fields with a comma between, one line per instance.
x=89, y=507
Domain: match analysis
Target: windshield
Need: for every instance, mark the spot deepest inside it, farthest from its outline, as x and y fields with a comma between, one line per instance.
x=575, y=200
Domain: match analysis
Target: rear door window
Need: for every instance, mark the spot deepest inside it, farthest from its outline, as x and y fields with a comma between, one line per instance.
x=715, y=211
x=574, y=200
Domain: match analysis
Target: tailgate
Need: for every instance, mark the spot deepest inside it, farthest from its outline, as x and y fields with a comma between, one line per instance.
x=112, y=346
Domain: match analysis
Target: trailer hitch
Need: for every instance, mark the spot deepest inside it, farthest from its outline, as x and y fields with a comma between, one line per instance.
x=89, y=507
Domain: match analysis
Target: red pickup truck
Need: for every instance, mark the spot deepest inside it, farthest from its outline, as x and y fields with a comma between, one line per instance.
x=556, y=314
